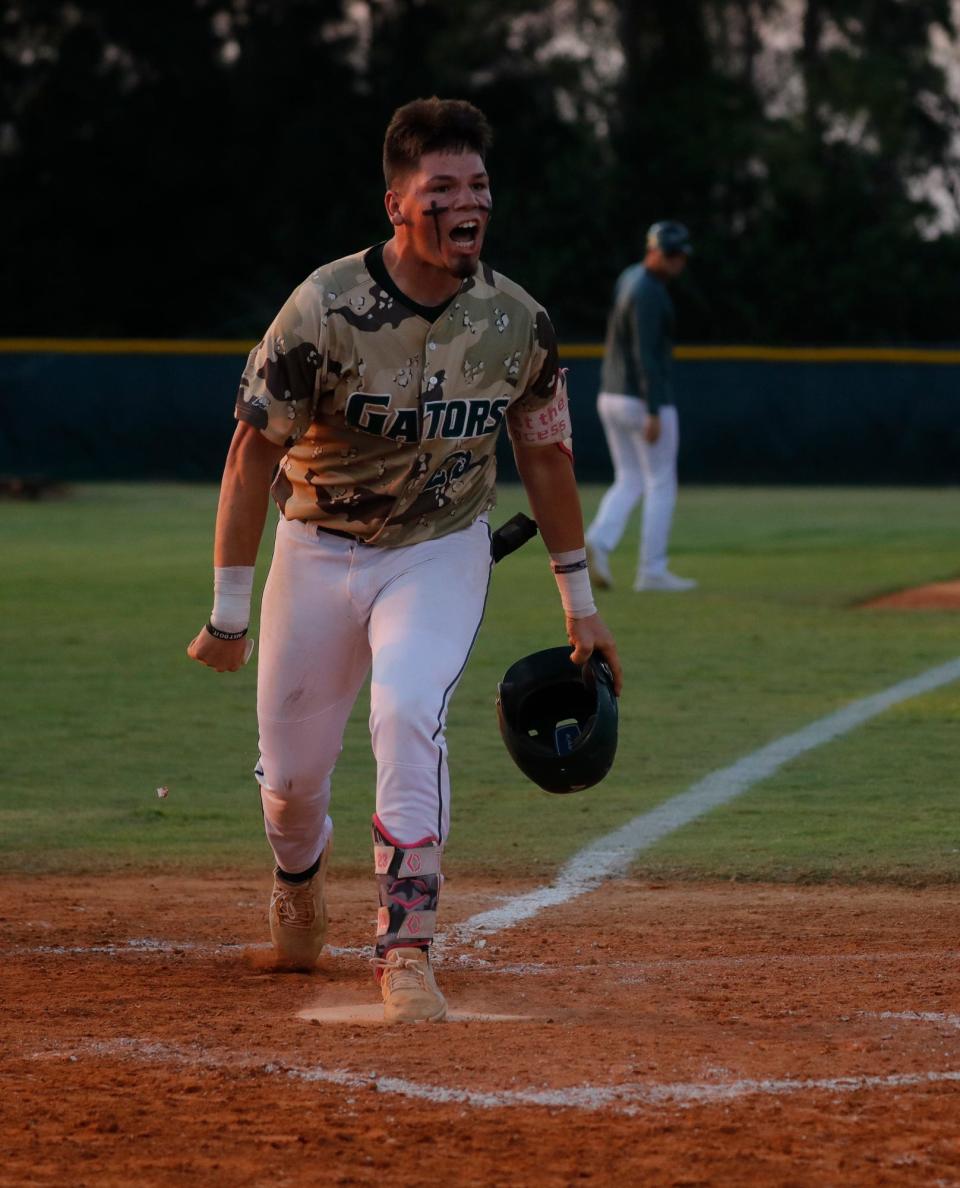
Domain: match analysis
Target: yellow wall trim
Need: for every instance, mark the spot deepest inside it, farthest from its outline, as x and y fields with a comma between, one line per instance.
x=819, y=354
x=126, y=346
x=588, y=350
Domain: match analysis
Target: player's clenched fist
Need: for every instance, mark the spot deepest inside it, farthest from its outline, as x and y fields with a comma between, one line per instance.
x=223, y=655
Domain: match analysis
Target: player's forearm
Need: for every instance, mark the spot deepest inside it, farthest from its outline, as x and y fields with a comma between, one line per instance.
x=650, y=353
x=244, y=495
x=547, y=476
x=656, y=391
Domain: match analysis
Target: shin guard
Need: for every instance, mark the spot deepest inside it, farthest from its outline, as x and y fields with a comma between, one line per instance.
x=408, y=880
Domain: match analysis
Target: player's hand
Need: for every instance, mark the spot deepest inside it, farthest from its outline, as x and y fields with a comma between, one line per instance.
x=593, y=635
x=651, y=429
x=223, y=655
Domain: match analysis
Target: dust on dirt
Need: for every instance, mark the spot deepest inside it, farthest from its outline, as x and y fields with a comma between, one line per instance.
x=677, y=1035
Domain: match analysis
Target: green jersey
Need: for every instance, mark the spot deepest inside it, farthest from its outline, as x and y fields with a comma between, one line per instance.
x=638, y=356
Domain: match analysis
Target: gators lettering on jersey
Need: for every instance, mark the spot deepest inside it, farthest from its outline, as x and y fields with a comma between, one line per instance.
x=390, y=419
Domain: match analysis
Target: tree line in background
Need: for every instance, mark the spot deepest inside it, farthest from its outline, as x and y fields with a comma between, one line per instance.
x=175, y=169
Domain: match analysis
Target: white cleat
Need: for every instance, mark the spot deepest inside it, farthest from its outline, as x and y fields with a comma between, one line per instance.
x=298, y=918
x=666, y=581
x=598, y=566
x=410, y=992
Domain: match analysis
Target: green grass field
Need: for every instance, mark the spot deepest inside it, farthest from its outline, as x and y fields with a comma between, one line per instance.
x=103, y=590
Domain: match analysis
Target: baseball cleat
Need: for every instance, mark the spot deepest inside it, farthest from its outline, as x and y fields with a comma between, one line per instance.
x=298, y=918
x=410, y=993
x=664, y=581
x=598, y=565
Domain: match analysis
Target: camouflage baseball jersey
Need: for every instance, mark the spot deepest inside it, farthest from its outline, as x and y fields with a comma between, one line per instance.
x=390, y=411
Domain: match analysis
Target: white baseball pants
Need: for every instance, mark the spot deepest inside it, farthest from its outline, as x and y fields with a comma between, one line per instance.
x=332, y=611
x=641, y=471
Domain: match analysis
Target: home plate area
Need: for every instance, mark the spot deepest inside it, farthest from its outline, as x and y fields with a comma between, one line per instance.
x=688, y=1034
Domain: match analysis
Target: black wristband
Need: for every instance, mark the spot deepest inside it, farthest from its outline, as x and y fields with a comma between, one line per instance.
x=218, y=634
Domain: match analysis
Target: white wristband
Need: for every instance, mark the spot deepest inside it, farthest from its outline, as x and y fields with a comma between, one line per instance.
x=232, y=589
x=573, y=582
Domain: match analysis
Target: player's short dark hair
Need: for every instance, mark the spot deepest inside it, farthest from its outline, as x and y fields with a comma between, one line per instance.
x=430, y=126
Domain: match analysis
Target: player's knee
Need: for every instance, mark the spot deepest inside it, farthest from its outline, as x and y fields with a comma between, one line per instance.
x=399, y=717
x=630, y=487
x=290, y=784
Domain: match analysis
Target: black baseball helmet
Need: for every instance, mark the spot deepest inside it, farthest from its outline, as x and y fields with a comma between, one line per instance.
x=558, y=720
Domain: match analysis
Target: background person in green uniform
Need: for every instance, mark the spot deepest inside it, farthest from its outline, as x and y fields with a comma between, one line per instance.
x=638, y=415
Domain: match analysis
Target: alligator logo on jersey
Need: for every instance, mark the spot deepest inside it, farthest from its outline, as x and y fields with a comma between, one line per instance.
x=371, y=412
x=445, y=487
x=452, y=468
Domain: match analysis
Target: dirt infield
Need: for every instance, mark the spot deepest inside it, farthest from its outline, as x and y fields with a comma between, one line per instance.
x=676, y=1035
x=939, y=596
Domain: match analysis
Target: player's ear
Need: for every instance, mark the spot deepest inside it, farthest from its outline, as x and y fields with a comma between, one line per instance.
x=391, y=201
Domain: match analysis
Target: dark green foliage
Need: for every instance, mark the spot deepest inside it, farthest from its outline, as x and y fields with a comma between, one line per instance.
x=176, y=169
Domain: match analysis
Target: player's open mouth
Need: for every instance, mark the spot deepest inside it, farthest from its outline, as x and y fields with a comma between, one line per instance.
x=466, y=234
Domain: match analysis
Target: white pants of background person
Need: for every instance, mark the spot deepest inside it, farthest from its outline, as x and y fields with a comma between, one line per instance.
x=334, y=611
x=641, y=471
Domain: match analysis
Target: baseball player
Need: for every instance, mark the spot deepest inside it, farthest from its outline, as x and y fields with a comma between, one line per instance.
x=371, y=410
x=638, y=415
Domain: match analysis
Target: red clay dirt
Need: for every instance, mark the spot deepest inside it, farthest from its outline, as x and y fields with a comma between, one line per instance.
x=940, y=596
x=678, y=1035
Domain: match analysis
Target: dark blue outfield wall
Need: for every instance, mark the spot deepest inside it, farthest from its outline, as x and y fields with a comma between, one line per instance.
x=126, y=410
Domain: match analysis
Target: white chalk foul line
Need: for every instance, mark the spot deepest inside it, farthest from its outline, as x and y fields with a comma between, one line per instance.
x=643, y=970
x=626, y=1098
x=951, y=1021
x=137, y=946
x=151, y=946
x=612, y=854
